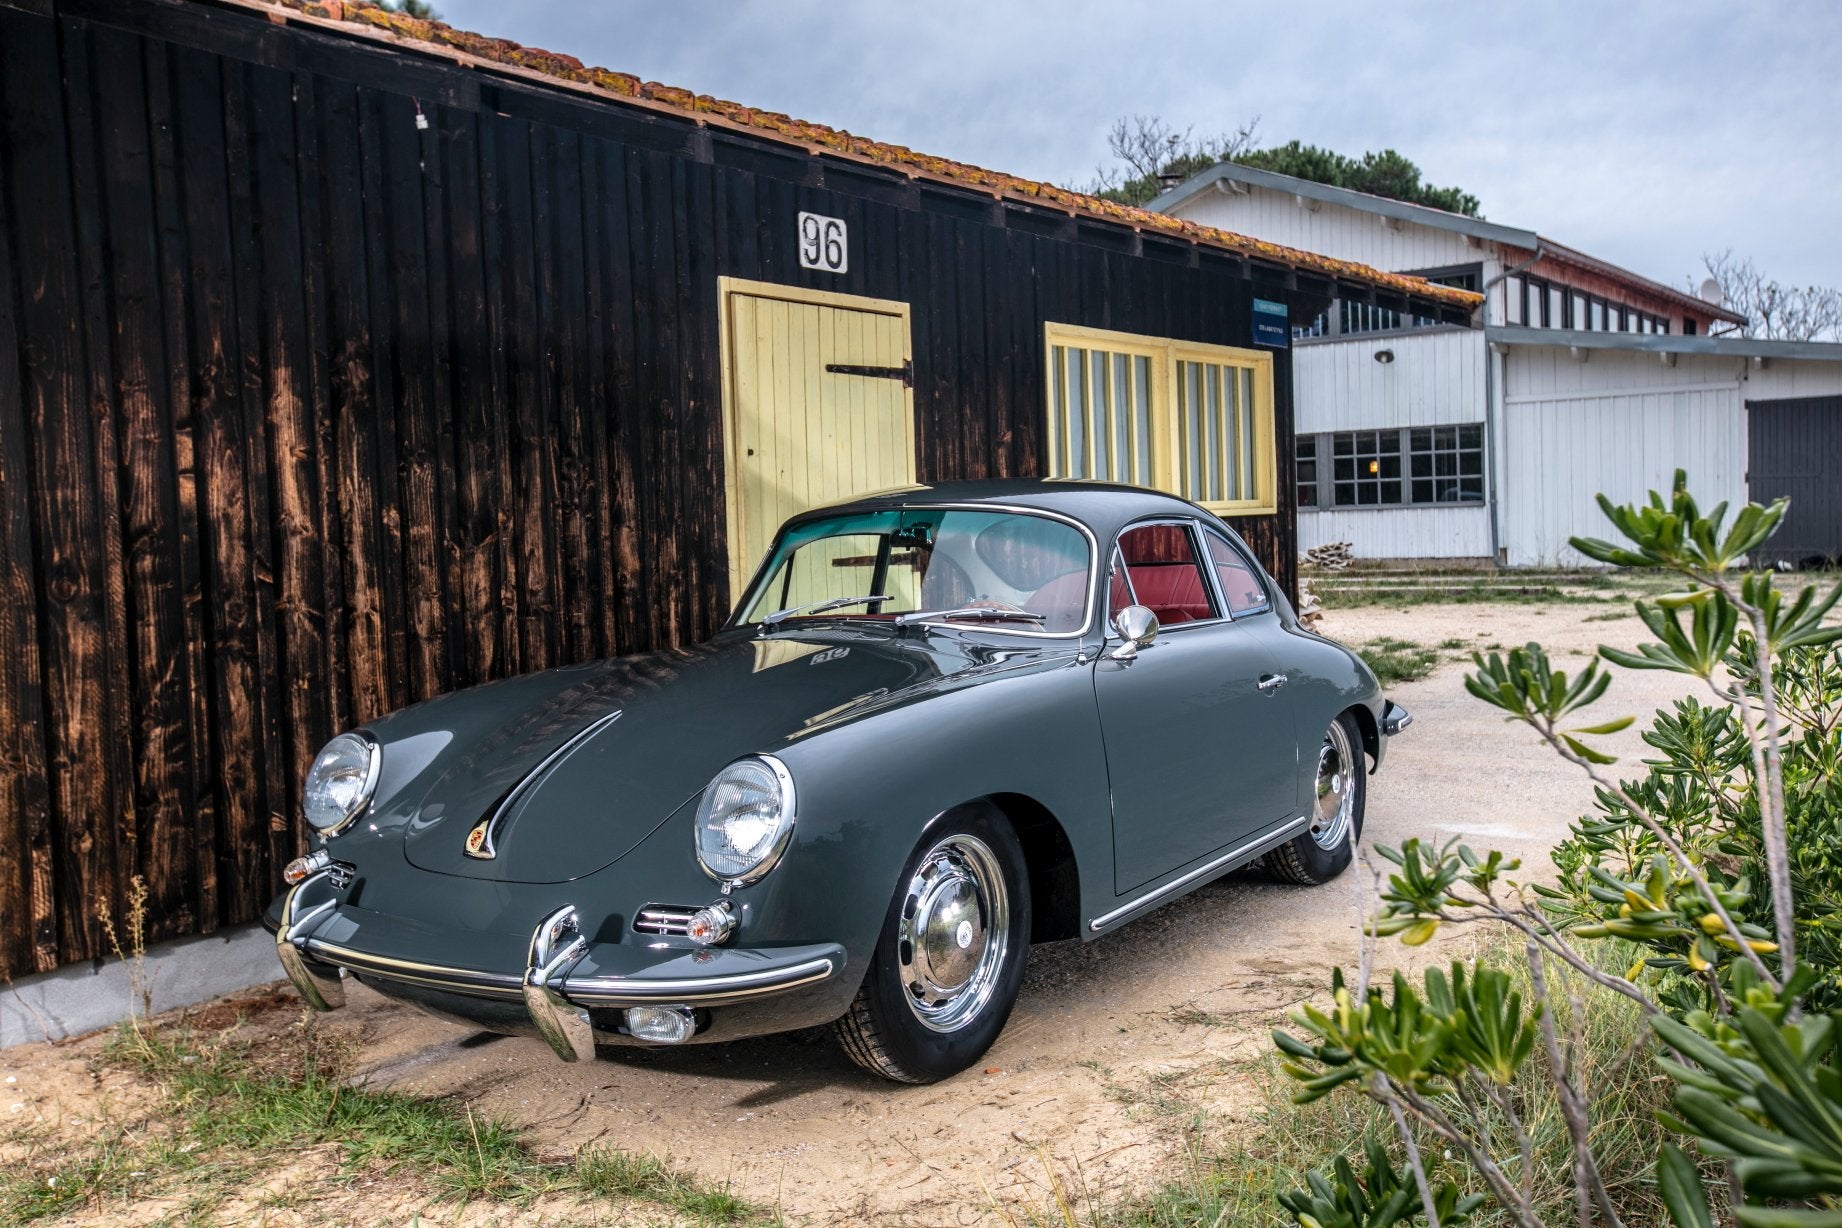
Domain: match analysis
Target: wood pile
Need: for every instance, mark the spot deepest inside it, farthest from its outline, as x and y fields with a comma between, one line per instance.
x=1332, y=556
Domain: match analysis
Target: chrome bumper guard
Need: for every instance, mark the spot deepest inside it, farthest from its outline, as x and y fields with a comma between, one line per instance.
x=555, y=1001
x=1394, y=718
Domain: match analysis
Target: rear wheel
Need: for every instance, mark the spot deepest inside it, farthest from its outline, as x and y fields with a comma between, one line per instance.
x=1339, y=791
x=950, y=958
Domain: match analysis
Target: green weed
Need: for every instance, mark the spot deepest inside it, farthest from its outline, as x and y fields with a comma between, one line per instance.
x=1396, y=660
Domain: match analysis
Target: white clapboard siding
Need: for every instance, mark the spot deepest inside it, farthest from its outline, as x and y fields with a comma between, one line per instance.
x=1400, y=532
x=1331, y=230
x=1436, y=379
x=1619, y=423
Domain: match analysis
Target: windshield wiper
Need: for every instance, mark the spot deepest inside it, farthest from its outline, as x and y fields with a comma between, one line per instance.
x=982, y=613
x=818, y=607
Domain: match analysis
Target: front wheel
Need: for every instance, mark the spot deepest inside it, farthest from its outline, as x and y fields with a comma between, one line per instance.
x=1338, y=795
x=950, y=958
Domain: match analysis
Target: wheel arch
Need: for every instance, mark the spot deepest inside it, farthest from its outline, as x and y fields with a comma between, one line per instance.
x=1048, y=855
x=1371, y=732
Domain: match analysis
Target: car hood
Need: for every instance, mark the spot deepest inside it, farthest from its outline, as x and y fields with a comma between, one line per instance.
x=566, y=771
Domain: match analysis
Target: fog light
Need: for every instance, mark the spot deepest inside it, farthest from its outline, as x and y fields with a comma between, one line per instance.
x=301, y=867
x=709, y=926
x=664, y=1025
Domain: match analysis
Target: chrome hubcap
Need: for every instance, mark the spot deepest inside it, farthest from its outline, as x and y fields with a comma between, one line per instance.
x=1336, y=789
x=954, y=933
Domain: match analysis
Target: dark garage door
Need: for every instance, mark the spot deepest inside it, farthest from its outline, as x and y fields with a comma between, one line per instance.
x=1796, y=453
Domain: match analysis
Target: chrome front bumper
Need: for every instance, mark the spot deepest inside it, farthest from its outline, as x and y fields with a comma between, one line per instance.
x=1394, y=718
x=563, y=976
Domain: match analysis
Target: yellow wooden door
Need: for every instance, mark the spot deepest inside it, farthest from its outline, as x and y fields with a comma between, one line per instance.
x=798, y=435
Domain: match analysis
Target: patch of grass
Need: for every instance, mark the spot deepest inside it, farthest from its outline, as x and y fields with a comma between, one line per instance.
x=1610, y=616
x=607, y=1173
x=227, y=1109
x=1454, y=644
x=1396, y=660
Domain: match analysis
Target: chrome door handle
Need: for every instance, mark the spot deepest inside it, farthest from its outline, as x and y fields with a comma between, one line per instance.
x=1271, y=683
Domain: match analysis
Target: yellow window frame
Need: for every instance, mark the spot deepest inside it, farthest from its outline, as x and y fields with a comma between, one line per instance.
x=1165, y=354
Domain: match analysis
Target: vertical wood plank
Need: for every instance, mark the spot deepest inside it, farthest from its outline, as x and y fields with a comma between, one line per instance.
x=293, y=442
x=199, y=822
x=159, y=696
x=97, y=850
x=235, y=763
x=28, y=924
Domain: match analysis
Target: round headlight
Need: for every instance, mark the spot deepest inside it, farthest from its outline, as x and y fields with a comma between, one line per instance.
x=340, y=782
x=745, y=819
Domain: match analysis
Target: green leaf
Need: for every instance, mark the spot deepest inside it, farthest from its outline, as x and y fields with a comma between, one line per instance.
x=1679, y=1182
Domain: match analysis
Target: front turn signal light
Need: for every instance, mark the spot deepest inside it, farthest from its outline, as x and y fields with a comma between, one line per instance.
x=711, y=925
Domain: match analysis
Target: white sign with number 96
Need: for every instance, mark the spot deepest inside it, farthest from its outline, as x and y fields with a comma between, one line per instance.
x=822, y=243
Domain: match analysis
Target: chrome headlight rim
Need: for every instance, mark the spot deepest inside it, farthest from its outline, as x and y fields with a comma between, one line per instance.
x=374, y=768
x=782, y=837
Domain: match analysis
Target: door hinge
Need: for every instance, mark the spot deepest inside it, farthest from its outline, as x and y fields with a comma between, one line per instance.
x=905, y=372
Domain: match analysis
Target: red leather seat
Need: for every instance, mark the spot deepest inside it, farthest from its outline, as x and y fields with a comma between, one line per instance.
x=1172, y=591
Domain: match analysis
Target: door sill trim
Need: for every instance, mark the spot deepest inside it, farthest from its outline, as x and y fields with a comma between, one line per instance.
x=1246, y=852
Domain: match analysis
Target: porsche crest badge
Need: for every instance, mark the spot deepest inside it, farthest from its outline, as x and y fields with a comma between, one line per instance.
x=477, y=845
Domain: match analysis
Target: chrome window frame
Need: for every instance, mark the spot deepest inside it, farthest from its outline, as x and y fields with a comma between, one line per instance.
x=1194, y=527
x=750, y=594
x=1259, y=574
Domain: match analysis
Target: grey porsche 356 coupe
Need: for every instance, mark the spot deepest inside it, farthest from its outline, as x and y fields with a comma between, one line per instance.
x=942, y=724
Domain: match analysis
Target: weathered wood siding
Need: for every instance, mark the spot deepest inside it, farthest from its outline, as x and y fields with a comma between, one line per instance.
x=307, y=413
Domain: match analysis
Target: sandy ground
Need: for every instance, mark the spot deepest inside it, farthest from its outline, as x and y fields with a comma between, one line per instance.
x=1114, y=1049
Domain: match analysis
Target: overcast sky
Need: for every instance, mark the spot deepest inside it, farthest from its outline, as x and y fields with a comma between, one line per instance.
x=1645, y=132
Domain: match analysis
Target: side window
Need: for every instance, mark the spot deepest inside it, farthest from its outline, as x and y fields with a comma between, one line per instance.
x=1165, y=573
x=1241, y=586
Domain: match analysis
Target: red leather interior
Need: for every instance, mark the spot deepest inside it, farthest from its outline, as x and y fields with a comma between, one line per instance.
x=1172, y=591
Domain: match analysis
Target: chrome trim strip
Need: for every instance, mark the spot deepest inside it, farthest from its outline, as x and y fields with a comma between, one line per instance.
x=696, y=991
x=1251, y=849
x=575, y=741
x=460, y=980
x=596, y=991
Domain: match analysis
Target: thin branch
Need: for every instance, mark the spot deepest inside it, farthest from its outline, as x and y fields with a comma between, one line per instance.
x=1505, y=1192
x=1383, y=1090
x=1588, y=1187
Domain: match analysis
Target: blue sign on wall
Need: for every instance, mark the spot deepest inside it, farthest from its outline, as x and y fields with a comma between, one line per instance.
x=1271, y=324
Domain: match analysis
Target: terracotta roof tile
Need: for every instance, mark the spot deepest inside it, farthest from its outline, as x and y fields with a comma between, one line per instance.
x=818, y=138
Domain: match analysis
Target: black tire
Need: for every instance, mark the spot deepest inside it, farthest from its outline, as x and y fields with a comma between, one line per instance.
x=1319, y=855
x=945, y=883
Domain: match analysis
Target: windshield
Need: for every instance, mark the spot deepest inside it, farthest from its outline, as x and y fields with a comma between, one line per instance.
x=1005, y=569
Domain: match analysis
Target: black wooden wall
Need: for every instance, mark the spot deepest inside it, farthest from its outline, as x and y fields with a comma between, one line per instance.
x=307, y=412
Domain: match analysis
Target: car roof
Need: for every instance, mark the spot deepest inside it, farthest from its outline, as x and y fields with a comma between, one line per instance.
x=1102, y=506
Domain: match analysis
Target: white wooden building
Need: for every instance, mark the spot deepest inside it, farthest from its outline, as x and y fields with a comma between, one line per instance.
x=1428, y=441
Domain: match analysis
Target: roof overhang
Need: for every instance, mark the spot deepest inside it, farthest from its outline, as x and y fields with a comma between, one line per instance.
x=1225, y=173
x=1562, y=254
x=1663, y=343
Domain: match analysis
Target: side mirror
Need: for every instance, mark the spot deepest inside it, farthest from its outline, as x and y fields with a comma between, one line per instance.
x=1138, y=627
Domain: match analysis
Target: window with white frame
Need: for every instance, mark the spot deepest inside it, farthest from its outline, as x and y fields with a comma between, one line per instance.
x=1405, y=467
x=1195, y=420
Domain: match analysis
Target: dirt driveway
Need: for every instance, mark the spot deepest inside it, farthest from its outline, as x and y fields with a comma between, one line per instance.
x=1114, y=1046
